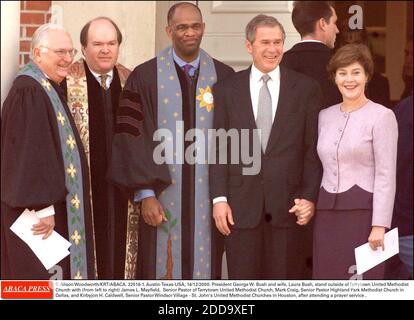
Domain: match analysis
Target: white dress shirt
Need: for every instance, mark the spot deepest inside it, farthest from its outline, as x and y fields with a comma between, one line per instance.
x=256, y=84
x=311, y=40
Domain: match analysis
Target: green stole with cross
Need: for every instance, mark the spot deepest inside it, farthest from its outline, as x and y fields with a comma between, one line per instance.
x=73, y=176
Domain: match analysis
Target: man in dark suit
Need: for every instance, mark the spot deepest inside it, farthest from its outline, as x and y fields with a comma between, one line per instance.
x=399, y=267
x=316, y=23
x=266, y=211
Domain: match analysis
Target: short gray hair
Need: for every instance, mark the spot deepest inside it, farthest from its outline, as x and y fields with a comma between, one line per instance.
x=40, y=35
x=260, y=21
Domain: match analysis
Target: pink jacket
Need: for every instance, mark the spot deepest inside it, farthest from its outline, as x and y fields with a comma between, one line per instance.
x=360, y=148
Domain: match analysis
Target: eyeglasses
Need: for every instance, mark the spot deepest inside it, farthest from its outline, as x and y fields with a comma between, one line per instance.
x=61, y=53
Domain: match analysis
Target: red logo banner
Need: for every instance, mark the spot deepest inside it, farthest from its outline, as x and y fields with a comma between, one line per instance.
x=27, y=289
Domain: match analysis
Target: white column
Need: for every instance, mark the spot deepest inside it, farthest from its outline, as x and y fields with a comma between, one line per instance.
x=10, y=41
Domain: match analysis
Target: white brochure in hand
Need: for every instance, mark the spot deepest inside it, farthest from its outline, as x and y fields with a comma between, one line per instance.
x=49, y=251
x=366, y=258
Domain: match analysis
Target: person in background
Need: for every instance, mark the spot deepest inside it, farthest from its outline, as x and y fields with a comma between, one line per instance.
x=403, y=208
x=407, y=74
x=316, y=23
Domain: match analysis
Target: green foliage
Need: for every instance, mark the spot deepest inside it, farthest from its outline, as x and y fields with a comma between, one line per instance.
x=164, y=228
x=168, y=214
x=173, y=223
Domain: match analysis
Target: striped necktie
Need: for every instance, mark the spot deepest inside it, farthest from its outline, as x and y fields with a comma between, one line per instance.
x=103, y=81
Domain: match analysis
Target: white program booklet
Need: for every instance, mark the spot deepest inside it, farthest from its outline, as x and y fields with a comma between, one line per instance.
x=366, y=258
x=49, y=251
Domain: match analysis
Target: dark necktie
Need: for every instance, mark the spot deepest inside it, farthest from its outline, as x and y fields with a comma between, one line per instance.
x=187, y=68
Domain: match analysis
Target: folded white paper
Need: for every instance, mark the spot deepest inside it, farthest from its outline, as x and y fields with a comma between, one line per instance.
x=49, y=251
x=366, y=258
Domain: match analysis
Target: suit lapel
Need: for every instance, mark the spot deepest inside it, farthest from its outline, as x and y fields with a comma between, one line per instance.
x=283, y=106
x=243, y=101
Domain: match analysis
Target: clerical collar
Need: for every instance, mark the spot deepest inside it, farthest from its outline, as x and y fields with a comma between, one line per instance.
x=98, y=76
x=195, y=63
x=257, y=75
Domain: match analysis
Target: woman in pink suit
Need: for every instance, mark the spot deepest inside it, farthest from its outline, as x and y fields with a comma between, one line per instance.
x=357, y=145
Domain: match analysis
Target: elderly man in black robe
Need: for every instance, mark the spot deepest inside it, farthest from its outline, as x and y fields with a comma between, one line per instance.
x=43, y=165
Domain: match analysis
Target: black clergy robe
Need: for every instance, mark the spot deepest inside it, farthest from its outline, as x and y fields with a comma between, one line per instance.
x=33, y=176
x=132, y=166
x=109, y=205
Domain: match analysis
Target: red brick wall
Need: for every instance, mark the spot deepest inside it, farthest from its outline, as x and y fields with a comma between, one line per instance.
x=32, y=15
